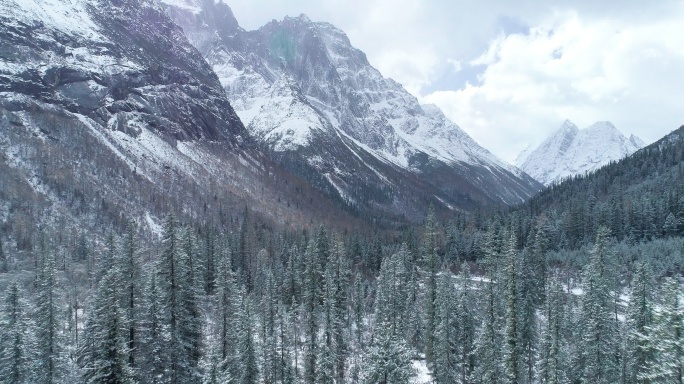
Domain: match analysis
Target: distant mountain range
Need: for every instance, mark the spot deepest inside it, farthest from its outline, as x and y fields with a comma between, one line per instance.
x=572, y=151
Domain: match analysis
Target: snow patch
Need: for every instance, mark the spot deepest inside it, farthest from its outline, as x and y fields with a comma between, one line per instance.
x=154, y=226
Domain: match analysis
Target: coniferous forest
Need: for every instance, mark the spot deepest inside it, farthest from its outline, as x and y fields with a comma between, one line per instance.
x=501, y=297
x=582, y=284
x=185, y=201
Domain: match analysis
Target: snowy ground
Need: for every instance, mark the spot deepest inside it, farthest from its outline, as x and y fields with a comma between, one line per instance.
x=422, y=373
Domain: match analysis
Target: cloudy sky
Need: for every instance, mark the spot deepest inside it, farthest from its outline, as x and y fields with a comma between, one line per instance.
x=510, y=72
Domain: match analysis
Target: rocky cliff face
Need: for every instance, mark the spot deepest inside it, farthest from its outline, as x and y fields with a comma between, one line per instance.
x=108, y=113
x=301, y=87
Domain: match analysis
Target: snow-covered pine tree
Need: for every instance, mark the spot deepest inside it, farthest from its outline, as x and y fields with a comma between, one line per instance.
x=512, y=355
x=105, y=356
x=4, y=263
x=16, y=347
x=446, y=332
x=130, y=277
x=155, y=334
x=465, y=318
x=229, y=301
x=599, y=327
x=529, y=293
x=666, y=338
x=551, y=360
x=359, y=309
x=311, y=292
x=269, y=335
x=48, y=318
x=247, y=358
x=639, y=321
x=489, y=341
x=431, y=264
x=389, y=358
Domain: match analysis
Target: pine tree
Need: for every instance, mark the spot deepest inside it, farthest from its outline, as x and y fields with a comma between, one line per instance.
x=105, y=359
x=155, y=335
x=269, y=344
x=16, y=352
x=286, y=374
x=488, y=344
x=431, y=268
x=512, y=356
x=551, y=359
x=48, y=361
x=4, y=263
x=229, y=301
x=359, y=309
x=389, y=358
x=446, y=333
x=249, y=370
x=639, y=320
x=537, y=265
x=130, y=275
x=465, y=338
x=211, y=366
x=666, y=338
x=599, y=325
x=311, y=296
x=529, y=294
x=190, y=330
x=209, y=262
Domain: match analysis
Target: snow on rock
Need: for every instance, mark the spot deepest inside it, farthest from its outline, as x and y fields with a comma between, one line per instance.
x=300, y=85
x=572, y=151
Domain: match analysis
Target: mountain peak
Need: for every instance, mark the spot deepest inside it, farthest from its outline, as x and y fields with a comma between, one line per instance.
x=636, y=140
x=571, y=151
x=568, y=125
x=309, y=96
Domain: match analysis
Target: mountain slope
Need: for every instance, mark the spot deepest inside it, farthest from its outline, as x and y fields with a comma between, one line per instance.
x=108, y=113
x=633, y=197
x=301, y=87
x=571, y=151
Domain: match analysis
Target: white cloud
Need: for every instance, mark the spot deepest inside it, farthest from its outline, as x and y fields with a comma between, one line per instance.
x=455, y=64
x=584, y=69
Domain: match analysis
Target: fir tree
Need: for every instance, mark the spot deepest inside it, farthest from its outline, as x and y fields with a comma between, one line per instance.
x=130, y=300
x=48, y=341
x=155, y=334
x=666, y=339
x=312, y=296
x=180, y=310
x=465, y=338
x=447, y=331
x=640, y=319
x=106, y=357
x=4, y=263
x=551, y=360
x=599, y=325
x=16, y=352
x=488, y=344
x=512, y=356
x=248, y=364
x=229, y=302
x=431, y=267
x=389, y=358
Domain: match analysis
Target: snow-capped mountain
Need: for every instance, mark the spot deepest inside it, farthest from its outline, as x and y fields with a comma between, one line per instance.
x=315, y=101
x=108, y=113
x=572, y=151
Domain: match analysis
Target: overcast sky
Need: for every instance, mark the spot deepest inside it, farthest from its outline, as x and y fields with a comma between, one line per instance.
x=510, y=72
